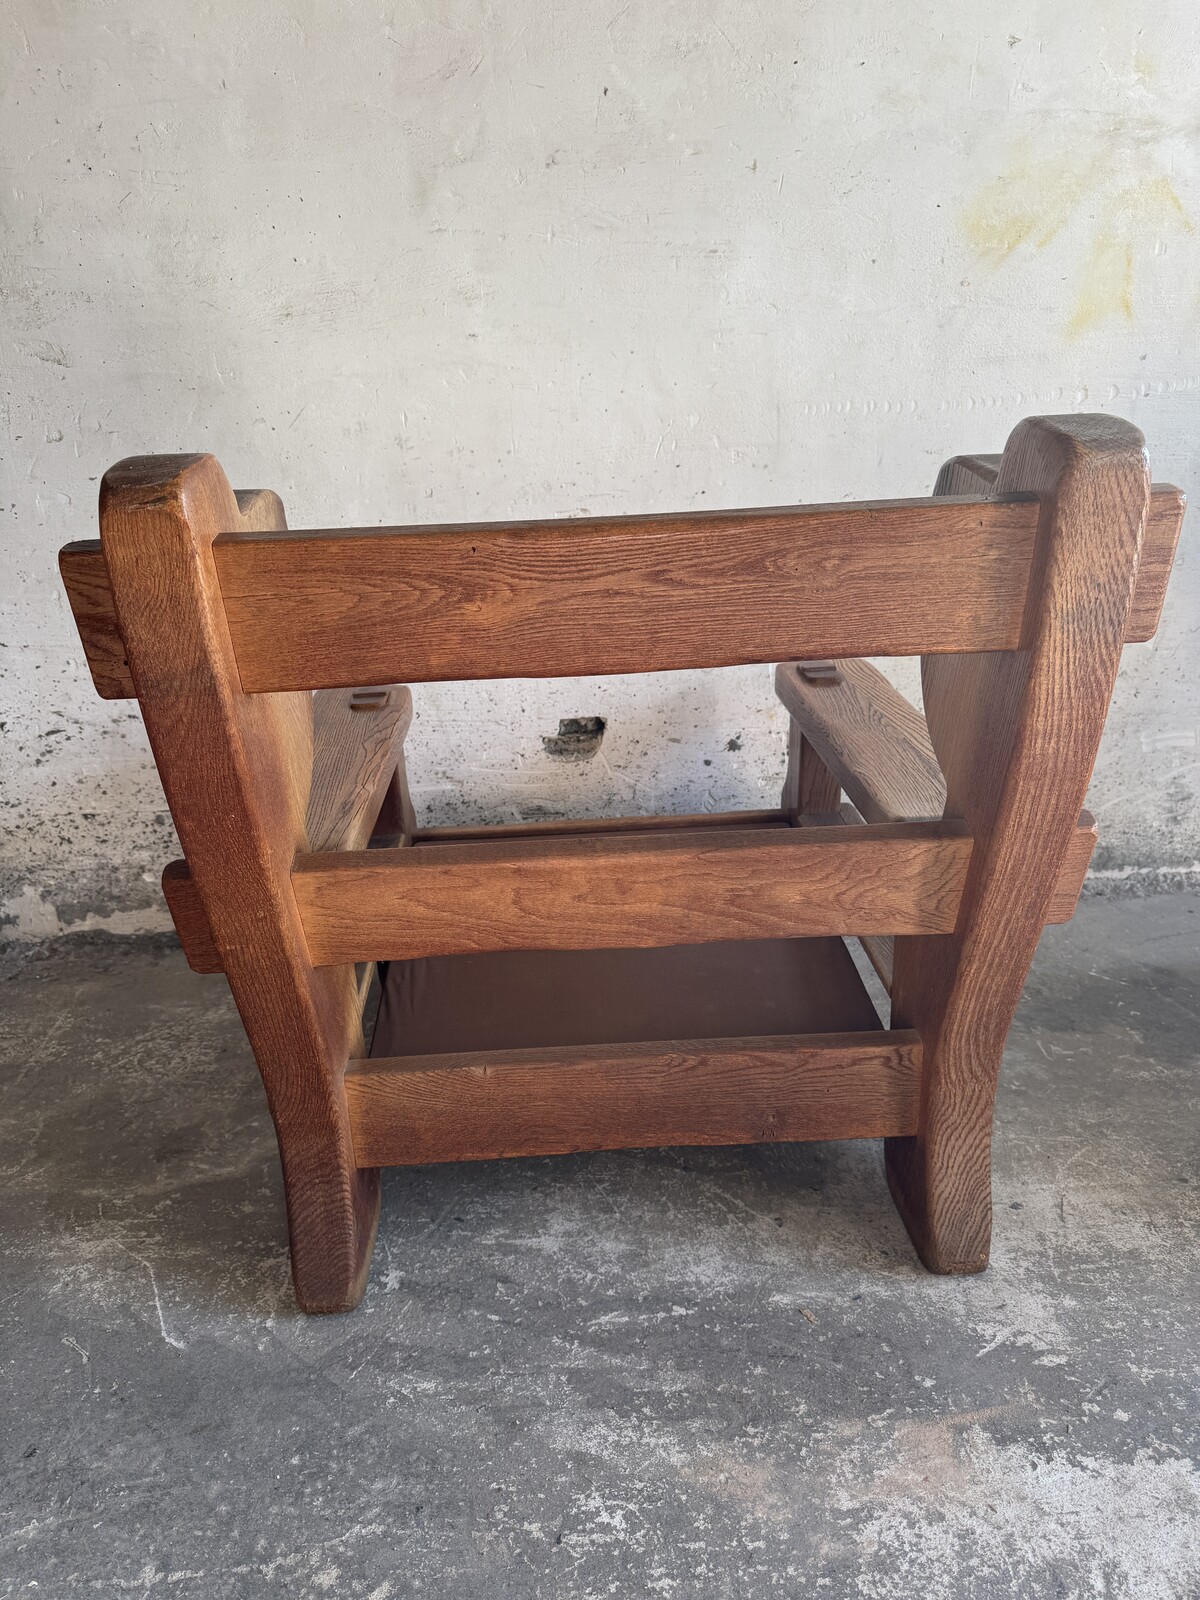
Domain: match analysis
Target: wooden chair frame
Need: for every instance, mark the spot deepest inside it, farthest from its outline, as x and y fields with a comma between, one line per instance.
x=1017, y=583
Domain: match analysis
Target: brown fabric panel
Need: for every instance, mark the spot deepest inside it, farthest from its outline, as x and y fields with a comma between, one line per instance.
x=507, y=1000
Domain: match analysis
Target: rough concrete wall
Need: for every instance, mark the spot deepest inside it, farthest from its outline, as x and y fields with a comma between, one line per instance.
x=468, y=260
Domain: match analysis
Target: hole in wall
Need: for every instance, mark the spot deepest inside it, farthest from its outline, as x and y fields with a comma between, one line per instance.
x=577, y=739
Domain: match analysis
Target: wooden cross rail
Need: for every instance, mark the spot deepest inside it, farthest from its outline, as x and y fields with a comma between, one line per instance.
x=377, y=605
x=629, y=892
x=476, y=1106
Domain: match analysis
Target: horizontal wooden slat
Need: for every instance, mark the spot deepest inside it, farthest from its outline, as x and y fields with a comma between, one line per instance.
x=85, y=578
x=356, y=745
x=625, y=594
x=477, y=1106
x=617, y=891
x=873, y=741
x=191, y=922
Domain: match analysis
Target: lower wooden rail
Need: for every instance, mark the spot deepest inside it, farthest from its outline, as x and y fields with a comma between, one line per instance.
x=476, y=1106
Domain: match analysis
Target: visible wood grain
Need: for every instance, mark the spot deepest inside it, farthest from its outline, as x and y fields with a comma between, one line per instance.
x=397, y=821
x=355, y=754
x=978, y=475
x=236, y=771
x=624, y=594
x=1068, y=880
x=1016, y=736
x=629, y=890
x=359, y=791
x=874, y=743
x=880, y=950
x=85, y=578
x=476, y=1106
x=190, y=918
x=809, y=786
x=571, y=828
x=818, y=789
x=877, y=746
x=975, y=474
x=1163, y=525
x=260, y=510
x=202, y=603
x=1068, y=885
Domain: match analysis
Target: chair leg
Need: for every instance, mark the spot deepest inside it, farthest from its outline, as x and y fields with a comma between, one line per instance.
x=941, y=1176
x=942, y=1186
x=237, y=771
x=809, y=786
x=333, y=1212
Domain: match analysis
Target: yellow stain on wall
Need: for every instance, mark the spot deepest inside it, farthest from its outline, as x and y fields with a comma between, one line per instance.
x=1107, y=288
x=1134, y=216
x=1145, y=68
x=1029, y=204
x=1154, y=203
x=1036, y=198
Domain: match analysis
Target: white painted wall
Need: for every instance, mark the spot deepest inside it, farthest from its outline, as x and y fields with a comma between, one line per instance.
x=445, y=260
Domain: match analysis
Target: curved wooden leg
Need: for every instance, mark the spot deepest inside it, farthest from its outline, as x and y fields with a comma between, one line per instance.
x=943, y=1192
x=237, y=771
x=332, y=1218
x=1016, y=734
x=941, y=1176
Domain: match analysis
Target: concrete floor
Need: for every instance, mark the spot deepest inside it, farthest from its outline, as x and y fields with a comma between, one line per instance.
x=672, y=1373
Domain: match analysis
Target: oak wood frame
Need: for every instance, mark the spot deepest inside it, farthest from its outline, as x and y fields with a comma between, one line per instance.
x=201, y=603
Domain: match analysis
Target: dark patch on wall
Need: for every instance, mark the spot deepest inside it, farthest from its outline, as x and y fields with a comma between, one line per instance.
x=577, y=739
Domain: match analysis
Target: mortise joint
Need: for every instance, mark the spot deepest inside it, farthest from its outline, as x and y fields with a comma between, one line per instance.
x=370, y=699
x=820, y=671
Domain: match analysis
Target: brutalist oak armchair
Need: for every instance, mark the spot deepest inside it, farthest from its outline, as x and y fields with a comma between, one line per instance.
x=666, y=980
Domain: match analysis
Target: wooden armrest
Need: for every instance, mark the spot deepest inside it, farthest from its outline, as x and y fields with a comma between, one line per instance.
x=357, y=783
x=89, y=594
x=968, y=475
x=358, y=735
x=875, y=744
